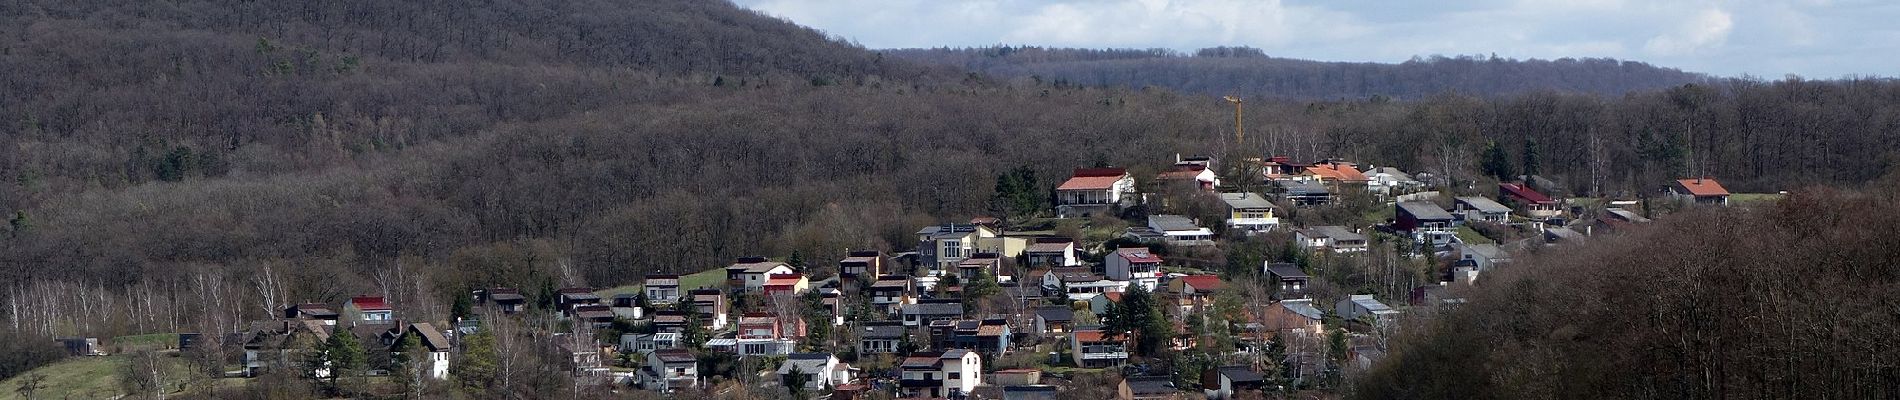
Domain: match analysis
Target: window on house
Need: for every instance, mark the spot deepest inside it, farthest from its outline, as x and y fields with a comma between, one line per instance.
x=951, y=249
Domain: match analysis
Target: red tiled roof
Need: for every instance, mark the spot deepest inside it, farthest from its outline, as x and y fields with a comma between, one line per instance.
x=1524, y=193
x=1203, y=283
x=1337, y=171
x=783, y=280
x=369, y=303
x=1091, y=336
x=1090, y=183
x=1182, y=172
x=1703, y=187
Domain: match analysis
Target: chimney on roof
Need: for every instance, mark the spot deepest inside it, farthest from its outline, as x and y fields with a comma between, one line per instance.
x=1698, y=179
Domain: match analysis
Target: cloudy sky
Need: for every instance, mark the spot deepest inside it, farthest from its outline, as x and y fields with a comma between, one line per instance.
x=1764, y=38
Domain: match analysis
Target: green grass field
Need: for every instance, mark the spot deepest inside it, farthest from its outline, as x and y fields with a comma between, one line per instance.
x=708, y=278
x=90, y=378
x=156, y=341
x=1472, y=236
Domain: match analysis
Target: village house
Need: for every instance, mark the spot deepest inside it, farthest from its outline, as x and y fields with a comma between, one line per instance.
x=312, y=311
x=668, y=370
x=649, y=342
x=662, y=289
x=1331, y=238
x=1052, y=253
x=1249, y=212
x=1189, y=176
x=749, y=273
x=1292, y=281
x=1364, y=305
x=1099, y=304
x=924, y=312
x=1223, y=383
x=1613, y=219
x=627, y=305
x=1472, y=208
x=861, y=263
x=281, y=343
x=1136, y=265
x=1095, y=349
x=821, y=370
x=1095, y=191
x=1388, y=182
x=597, y=315
x=1297, y=317
x=1281, y=167
x=1148, y=388
x=1529, y=202
x=1484, y=257
x=1337, y=174
x=1175, y=230
x=1193, y=293
x=947, y=374
x=507, y=300
x=1304, y=192
x=941, y=247
x=880, y=337
x=436, y=344
x=970, y=268
x=369, y=310
x=1429, y=225
x=569, y=298
x=792, y=284
x=987, y=336
x=889, y=292
x=711, y=306
x=1080, y=283
x=1054, y=320
x=1700, y=190
x=764, y=334
x=668, y=321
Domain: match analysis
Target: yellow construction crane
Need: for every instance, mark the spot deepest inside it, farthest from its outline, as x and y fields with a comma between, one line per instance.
x=1239, y=135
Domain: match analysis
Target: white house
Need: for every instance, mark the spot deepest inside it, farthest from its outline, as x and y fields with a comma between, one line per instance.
x=751, y=273
x=669, y=370
x=1473, y=208
x=1135, y=265
x=1094, y=191
x=820, y=369
x=438, y=346
x=1331, y=238
x=1179, y=230
x=1052, y=252
x=950, y=374
x=1364, y=305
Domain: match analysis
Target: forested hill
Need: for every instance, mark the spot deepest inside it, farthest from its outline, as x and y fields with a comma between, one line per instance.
x=1248, y=71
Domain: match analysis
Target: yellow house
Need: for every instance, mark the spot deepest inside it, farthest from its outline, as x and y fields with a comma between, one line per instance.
x=1250, y=212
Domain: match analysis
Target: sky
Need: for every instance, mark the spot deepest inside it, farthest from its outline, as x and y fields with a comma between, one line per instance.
x=1771, y=39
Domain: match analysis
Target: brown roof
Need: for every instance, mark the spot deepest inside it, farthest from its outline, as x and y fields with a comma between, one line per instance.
x=1049, y=247
x=1092, y=336
x=430, y=336
x=1182, y=172
x=1703, y=186
x=989, y=330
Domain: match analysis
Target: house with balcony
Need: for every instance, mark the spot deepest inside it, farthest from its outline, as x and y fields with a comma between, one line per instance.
x=1178, y=230
x=572, y=297
x=880, y=337
x=890, y=292
x=1296, y=317
x=1095, y=191
x=988, y=336
x=861, y=263
x=821, y=370
x=1135, y=265
x=925, y=312
x=1095, y=349
x=941, y=247
x=662, y=289
x=1080, y=283
x=1051, y=253
x=711, y=305
x=749, y=273
x=369, y=310
x=785, y=284
x=948, y=374
x=1388, y=182
x=1529, y=201
x=668, y=370
x=764, y=334
x=1701, y=190
x=1428, y=225
x=970, y=268
x=1304, y=192
x=1289, y=279
x=1193, y=293
x=1331, y=239
x=1479, y=209
x=649, y=342
x=1250, y=212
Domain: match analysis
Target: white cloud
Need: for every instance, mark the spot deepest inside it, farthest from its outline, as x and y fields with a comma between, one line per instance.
x=1709, y=28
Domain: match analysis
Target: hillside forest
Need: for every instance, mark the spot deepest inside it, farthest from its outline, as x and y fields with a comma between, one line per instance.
x=192, y=165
